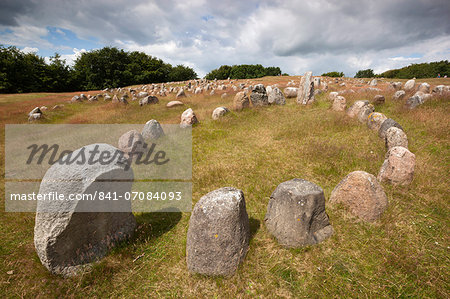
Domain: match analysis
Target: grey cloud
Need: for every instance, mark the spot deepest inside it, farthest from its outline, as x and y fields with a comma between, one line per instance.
x=11, y=9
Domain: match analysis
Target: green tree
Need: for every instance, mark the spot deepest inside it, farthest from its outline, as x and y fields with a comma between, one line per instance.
x=365, y=74
x=333, y=74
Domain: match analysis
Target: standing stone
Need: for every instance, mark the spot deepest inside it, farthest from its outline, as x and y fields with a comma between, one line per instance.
x=395, y=137
x=275, y=96
x=188, y=118
x=388, y=123
x=364, y=113
x=71, y=234
x=361, y=193
x=148, y=100
x=409, y=85
x=296, y=214
x=398, y=168
x=218, y=234
x=306, y=90
x=333, y=95
x=339, y=104
x=219, y=112
x=259, y=97
x=152, y=130
x=399, y=94
x=316, y=82
x=379, y=99
x=35, y=114
x=424, y=87
x=290, y=92
x=131, y=142
x=115, y=99
x=375, y=120
x=241, y=101
x=413, y=102
x=180, y=94
x=356, y=108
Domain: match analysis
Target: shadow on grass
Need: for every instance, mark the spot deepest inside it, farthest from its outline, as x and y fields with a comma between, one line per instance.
x=152, y=225
x=254, y=226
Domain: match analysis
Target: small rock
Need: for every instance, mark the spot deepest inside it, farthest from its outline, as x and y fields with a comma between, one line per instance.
x=333, y=95
x=413, y=102
x=361, y=193
x=424, y=87
x=258, y=96
x=378, y=99
x=356, y=108
x=374, y=82
x=174, y=104
x=76, y=99
x=180, y=94
x=148, y=100
x=398, y=95
x=364, y=113
x=224, y=95
x=275, y=96
x=131, y=142
x=219, y=112
x=290, y=92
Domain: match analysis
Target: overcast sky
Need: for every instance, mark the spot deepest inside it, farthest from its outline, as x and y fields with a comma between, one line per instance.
x=297, y=36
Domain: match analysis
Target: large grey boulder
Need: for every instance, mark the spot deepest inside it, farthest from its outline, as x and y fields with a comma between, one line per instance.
x=306, y=90
x=71, y=234
x=388, y=123
x=218, y=234
x=296, y=214
x=362, y=195
x=275, y=96
x=152, y=130
x=259, y=97
x=395, y=137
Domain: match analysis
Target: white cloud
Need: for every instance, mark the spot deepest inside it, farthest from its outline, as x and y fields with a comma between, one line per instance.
x=29, y=50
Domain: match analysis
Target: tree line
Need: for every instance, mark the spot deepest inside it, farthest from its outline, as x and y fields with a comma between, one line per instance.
x=242, y=71
x=419, y=70
x=108, y=67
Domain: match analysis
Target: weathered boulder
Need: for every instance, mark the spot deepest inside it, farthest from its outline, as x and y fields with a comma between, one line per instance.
x=356, y=108
x=224, y=95
x=364, y=113
x=142, y=94
x=388, y=123
x=362, y=195
x=152, y=130
x=306, y=90
x=375, y=120
x=339, y=104
x=180, y=94
x=396, y=85
x=174, y=104
x=131, y=142
x=115, y=99
x=296, y=214
x=219, y=112
x=395, y=137
x=188, y=118
x=333, y=95
x=398, y=167
x=148, y=100
x=241, y=101
x=218, y=234
x=409, y=85
x=290, y=92
x=258, y=96
x=378, y=99
x=275, y=96
x=424, y=87
x=76, y=99
x=373, y=82
x=413, y=102
x=398, y=95
x=71, y=234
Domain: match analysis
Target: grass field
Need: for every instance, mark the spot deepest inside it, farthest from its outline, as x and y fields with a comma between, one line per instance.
x=404, y=254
